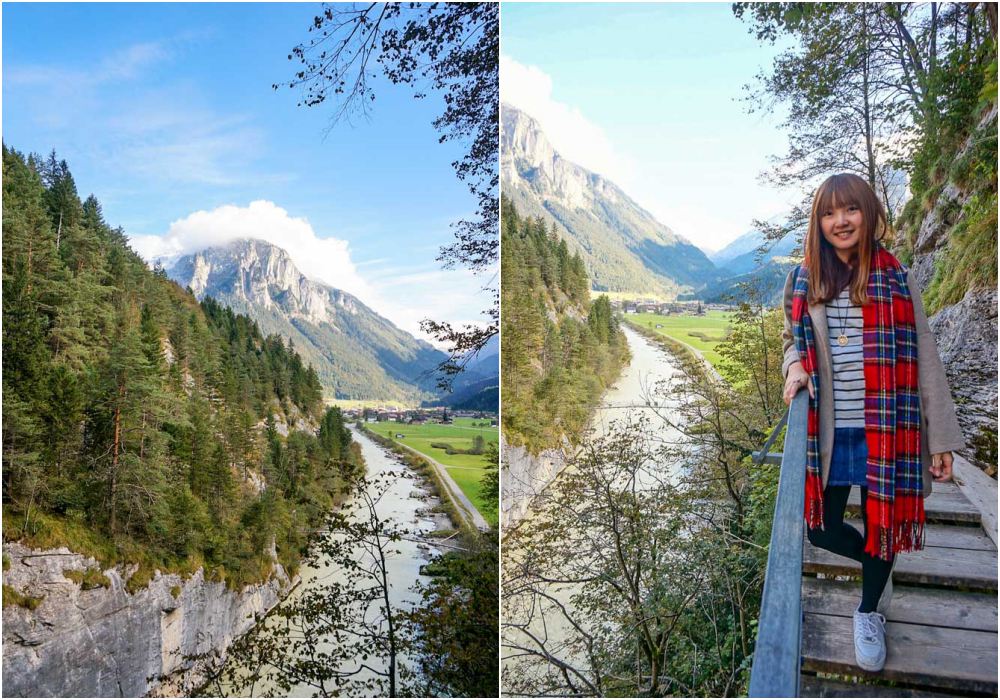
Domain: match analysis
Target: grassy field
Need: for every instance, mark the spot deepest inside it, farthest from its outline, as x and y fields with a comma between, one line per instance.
x=466, y=470
x=700, y=332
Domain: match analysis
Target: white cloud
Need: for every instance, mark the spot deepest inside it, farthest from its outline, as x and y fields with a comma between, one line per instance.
x=404, y=296
x=571, y=134
x=323, y=259
x=127, y=63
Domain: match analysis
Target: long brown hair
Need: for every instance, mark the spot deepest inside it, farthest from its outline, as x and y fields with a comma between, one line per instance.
x=828, y=275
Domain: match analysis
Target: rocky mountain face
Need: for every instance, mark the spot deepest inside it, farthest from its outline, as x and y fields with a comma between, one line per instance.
x=356, y=353
x=99, y=640
x=624, y=247
x=967, y=330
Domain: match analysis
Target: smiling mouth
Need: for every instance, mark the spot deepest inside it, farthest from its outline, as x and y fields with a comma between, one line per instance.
x=844, y=234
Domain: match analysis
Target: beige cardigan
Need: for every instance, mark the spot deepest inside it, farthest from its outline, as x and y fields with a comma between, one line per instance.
x=939, y=430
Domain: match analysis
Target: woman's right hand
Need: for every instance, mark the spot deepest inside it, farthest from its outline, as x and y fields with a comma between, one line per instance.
x=797, y=378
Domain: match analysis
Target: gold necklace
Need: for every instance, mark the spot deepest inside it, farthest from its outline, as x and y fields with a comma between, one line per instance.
x=842, y=338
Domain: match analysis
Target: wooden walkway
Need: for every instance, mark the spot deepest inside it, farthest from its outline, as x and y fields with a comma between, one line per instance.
x=941, y=630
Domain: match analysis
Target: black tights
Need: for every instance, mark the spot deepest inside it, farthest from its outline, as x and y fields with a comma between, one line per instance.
x=845, y=540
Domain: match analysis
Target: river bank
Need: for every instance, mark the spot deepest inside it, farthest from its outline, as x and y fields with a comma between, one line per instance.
x=408, y=503
x=88, y=634
x=641, y=393
x=682, y=352
x=431, y=475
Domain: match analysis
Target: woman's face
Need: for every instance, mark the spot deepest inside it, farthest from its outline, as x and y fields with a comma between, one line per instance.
x=841, y=226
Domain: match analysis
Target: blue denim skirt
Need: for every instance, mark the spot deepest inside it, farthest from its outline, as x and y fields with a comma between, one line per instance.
x=847, y=463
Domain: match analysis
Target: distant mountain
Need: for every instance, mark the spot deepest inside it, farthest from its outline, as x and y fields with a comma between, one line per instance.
x=740, y=256
x=624, y=247
x=487, y=361
x=768, y=280
x=356, y=353
x=478, y=386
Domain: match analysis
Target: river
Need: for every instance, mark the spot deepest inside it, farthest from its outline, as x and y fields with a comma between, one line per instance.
x=640, y=392
x=405, y=503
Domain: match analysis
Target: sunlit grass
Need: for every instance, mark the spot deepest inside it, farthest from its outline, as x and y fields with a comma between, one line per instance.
x=703, y=333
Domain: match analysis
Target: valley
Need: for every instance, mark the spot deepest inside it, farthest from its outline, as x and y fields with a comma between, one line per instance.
x=702, y=333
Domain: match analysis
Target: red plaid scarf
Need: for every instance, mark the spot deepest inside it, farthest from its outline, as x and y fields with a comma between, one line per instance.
x=895, y=505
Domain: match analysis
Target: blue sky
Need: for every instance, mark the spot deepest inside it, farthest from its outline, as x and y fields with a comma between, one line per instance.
x=166, y=110
x=649, y=95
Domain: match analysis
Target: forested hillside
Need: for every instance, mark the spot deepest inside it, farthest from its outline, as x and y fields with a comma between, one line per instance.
x=139, y=425
x=560, y=350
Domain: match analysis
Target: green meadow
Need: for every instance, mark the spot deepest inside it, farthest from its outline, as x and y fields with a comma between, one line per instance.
x=467, y=470
x=703, y=333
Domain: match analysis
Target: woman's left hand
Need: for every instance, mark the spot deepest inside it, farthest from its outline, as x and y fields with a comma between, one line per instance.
x=941, y=466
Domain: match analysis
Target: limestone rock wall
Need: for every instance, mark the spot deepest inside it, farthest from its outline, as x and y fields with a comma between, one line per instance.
x=523, y=476
x=967, y=341
x=967, y=331
x=106, y=642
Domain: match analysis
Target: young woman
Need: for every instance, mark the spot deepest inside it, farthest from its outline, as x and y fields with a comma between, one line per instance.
x=881, y=415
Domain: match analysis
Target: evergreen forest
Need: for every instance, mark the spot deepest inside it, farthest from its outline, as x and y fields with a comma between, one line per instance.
x=140, y=426
x=561, y=350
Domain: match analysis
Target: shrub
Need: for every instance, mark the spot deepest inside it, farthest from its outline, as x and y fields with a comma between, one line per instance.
x=12, y=596
x=89, y=579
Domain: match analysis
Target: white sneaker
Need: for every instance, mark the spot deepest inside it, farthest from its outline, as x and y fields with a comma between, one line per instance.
x=869, y=640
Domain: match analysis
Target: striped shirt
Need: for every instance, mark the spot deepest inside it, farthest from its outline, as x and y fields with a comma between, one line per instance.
x=844, y=318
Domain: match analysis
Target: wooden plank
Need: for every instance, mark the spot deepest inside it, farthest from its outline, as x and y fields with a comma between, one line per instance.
x=936, y=657
x=937, y=566
x=981, y=491
x=918, y=606
x=948, y=505
x=816, y=687
x=954, y=536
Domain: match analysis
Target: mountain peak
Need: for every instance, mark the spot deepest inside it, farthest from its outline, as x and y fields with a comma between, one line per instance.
x=357, y=353
x=625, y=248
x=262, y=274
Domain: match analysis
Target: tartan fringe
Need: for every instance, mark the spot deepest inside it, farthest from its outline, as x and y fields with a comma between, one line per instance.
x=814, y=501
x=908, y=523
x=906, y=534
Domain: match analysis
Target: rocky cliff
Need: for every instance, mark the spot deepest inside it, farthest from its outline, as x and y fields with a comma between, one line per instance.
x=966, y=328
x=524, y=476
x=95, y=639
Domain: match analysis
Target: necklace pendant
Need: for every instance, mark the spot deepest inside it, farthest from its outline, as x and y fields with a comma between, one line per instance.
x=842, y=340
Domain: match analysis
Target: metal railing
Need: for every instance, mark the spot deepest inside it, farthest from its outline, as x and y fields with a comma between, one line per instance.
x=777, y=657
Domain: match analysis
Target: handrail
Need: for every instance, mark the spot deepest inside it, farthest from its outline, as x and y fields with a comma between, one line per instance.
x=777, y=656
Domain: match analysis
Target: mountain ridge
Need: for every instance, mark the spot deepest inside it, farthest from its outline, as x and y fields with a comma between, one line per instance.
x=357, y=353
x=625, y=248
